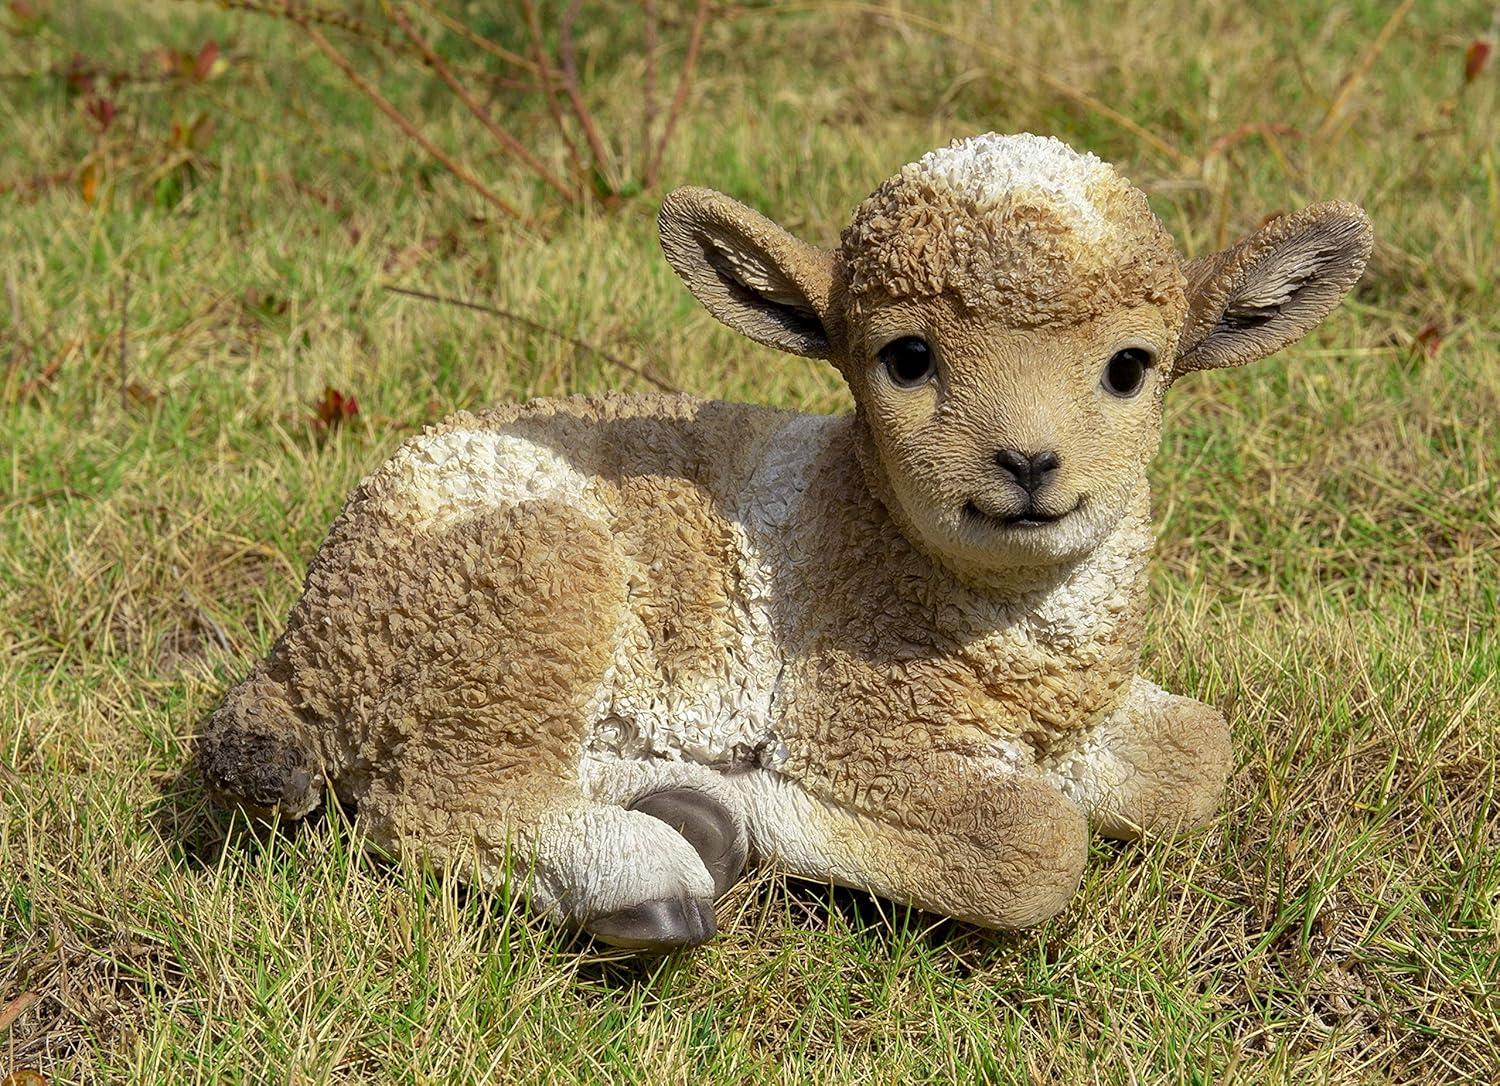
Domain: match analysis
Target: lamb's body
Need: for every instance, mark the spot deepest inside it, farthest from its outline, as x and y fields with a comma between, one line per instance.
x=721, y=603
x=616, y=642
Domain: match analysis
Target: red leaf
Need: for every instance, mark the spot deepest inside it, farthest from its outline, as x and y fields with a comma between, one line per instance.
x=204, y=63
x=101, y=111
x=1429, y=339
x=334, y=408
x=1477, y=57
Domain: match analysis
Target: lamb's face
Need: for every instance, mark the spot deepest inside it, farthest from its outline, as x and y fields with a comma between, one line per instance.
x=1009, y=309
x=1011, y=446
x=1008, y=313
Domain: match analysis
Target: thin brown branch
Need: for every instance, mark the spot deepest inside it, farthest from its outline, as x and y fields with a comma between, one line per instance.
x=570, y=87
x=505, y=139
x=37, y=181
x=474, y=38
x=549, y=84
x=679, y=98
x=303, y=13
x=355, y=28
x=400, y=120
x=648, y=86
x=1361, y=71
x=537, y=326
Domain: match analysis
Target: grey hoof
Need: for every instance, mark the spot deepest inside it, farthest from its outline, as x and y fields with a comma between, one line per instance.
x=660, y=925
x=708, y=827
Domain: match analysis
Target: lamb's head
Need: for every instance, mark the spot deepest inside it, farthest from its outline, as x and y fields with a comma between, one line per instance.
x=1008, y=314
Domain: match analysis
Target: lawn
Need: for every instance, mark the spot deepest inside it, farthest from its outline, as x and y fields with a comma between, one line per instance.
x=176, y=308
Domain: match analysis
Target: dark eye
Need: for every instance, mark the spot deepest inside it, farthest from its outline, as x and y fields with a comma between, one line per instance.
x=1125, y=373
x=908, y=360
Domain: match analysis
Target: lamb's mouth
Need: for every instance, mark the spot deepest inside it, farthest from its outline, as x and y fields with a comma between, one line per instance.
x=1031, y=517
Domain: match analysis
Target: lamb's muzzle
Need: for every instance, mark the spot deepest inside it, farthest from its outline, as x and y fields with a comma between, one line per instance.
x=608, y=647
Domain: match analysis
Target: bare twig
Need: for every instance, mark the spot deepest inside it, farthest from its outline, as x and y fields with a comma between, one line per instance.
x=570, y=87
x=1351, y=82
x=37, y=181
x=537, y=326
x=648, y=86
x=368, y=89
x=302, y=12
x=506, y=140
x=549, y=83
x=474, y=38
x=679, y=98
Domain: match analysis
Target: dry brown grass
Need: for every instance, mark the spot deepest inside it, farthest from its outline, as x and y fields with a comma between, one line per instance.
x=1327, y=570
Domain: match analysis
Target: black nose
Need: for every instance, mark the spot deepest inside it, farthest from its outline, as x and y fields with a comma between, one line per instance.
x=1029, y=469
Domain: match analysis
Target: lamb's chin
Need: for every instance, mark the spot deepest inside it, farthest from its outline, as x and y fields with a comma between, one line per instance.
x=989, y=543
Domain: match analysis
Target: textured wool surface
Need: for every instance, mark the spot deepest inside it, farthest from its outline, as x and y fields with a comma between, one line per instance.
x=887, y=661
x=1019, y=224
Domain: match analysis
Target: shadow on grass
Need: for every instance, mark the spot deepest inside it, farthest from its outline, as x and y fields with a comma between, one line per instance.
x=200, y=829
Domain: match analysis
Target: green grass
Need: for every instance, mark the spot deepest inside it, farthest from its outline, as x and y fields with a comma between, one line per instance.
x=1328, y=572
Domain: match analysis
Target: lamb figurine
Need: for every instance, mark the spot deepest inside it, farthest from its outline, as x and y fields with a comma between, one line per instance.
x=614, y=645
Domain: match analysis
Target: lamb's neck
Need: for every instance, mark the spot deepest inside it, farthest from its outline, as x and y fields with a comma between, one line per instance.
x=1061, y=602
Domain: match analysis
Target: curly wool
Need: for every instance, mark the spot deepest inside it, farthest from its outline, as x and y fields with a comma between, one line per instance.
x=1021, y=226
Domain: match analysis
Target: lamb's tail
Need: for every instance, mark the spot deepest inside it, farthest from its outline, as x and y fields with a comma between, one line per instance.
x=257, y=752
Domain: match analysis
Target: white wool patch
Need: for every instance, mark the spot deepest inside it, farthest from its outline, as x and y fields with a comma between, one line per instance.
x=991, y=169
x=449, y=477
x=722, y=719
x=1089, y=773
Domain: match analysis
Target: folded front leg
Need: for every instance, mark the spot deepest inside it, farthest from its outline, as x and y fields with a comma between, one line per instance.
x=961, y=837
x=1157, y=764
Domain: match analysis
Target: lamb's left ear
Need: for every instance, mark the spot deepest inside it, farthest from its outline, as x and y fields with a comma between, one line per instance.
x=747, y=271
x=1273, y=288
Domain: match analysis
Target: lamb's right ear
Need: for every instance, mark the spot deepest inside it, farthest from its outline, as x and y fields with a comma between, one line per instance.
x=747, y=271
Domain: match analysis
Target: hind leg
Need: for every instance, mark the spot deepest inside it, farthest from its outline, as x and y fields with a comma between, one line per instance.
x=632, y=851
x=472, y=749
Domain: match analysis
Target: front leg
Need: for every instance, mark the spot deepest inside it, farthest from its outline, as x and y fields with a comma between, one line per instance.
x=969, y=839
x=1157, y=764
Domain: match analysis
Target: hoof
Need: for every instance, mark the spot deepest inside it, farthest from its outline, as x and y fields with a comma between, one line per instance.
x=658, y=925
x=708, y=827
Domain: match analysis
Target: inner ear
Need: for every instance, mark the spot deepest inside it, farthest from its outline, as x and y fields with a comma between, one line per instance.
x=749, y=272
x=1272, y=288
x=778, y=300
